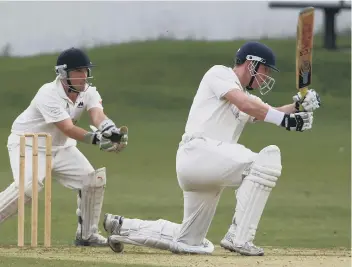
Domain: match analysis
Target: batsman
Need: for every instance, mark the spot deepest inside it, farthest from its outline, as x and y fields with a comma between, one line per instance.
x=55, y=109
x=209, y=159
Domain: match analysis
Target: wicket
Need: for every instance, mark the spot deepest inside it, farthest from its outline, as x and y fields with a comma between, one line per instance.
x=21, y=197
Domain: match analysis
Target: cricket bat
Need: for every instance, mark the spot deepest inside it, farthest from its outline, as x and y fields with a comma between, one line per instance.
x=304, y=50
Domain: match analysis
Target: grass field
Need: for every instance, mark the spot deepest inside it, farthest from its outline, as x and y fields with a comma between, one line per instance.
x=149, y=86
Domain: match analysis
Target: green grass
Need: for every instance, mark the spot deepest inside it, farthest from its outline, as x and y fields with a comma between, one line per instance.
x=149, y=86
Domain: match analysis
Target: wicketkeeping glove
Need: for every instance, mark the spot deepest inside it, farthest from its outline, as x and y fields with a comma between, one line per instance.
x=300, y=121
x=113, y=143
x=109, y=130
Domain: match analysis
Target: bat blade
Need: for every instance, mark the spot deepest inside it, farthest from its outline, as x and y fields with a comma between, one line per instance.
x=304, y=49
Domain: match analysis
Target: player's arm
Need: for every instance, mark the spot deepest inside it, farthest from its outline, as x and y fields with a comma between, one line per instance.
x=107, y=127
x=223, y=85
x=69, y=129
x=101, y=121
x=309, y=103
x=250, y=106
x=97, y=116
x=95, y=138
x=290, y=108
x=79, y=134
x=264, y=112
x=53, y=112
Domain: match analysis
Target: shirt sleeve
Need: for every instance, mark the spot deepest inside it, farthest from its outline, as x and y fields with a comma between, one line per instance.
x=51, y=109
x=94, y=100
x=221, y=81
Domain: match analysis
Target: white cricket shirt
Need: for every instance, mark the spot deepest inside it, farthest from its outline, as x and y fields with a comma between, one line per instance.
x=50, y=105
x=211, y=115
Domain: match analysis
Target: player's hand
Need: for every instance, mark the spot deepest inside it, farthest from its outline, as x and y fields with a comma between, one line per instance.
x=120, y=135
x=110, y=131
x=108, y=128
x=109, y=145
x=300, y=121
x=309, y=103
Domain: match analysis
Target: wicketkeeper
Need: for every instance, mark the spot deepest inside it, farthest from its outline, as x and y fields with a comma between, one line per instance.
x=55, y=109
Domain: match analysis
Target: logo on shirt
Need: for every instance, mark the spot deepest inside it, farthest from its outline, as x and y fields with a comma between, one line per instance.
x=80, y=105
x=235, y=111
x=54, y=111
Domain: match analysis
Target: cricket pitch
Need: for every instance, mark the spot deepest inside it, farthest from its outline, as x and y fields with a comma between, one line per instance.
x=150, y=257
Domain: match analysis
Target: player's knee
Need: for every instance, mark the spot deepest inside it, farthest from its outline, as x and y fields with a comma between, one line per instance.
x=87, y=171
x=96, y=178
x=28, y=188
x=206, y=247
x=267, y=166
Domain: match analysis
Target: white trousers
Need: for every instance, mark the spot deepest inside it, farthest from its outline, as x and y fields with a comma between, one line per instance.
x=69, y=165
x=204, y=168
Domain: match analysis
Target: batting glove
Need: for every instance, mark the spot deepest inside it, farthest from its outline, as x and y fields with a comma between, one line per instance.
x=300, y=121
x=309, y=103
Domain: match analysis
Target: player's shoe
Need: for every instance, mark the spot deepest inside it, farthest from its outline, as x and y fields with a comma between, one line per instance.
x=112, y=225
x=95, y=240
x=247, y=249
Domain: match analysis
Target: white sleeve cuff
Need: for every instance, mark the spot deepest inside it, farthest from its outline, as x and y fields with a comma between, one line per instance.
x=105, y=123
x=274, y=116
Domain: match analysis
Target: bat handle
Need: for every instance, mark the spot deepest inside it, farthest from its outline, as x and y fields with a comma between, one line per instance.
x=303, y=92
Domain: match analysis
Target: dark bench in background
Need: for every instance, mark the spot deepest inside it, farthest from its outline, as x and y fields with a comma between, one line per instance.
x=330, y=11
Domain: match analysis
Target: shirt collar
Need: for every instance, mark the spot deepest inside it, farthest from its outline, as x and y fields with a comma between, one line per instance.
x=61, y=90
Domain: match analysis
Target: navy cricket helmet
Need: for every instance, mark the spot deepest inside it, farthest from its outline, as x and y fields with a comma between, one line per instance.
x=72, y=59
x=258, y=52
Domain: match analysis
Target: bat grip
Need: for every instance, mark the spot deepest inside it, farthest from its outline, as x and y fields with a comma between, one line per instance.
x=303, y=92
